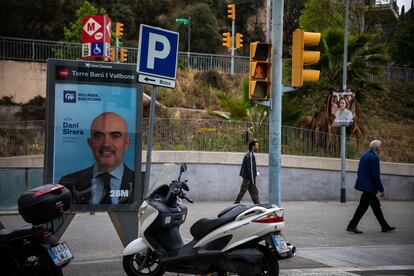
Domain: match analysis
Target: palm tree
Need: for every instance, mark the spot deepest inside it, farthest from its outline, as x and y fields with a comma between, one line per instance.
x=241, y=109
x=363, y=60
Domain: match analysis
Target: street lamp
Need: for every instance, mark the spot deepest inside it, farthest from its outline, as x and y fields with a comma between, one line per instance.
x=186, y=21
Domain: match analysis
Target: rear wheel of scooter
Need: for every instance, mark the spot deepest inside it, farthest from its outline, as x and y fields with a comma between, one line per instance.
x=271, y=264
x=37, y=262
x=142, y=264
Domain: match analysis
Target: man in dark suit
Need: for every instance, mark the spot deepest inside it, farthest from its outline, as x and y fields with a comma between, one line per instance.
x=109, y=180
x=369, y=183
x=248, y=172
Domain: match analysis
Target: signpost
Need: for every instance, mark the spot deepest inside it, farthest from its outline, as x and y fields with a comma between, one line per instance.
x=157, y=66
x=186, y=22
x=96, y=37
x=157, y=56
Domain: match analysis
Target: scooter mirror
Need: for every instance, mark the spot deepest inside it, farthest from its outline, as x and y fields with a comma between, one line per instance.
x=183, y=168
x=184, y=186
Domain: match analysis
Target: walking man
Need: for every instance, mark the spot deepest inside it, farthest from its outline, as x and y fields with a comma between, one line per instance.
x=369, y=183
x=248, y=172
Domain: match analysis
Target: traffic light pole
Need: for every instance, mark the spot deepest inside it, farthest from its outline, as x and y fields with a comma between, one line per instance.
x=275, y=121
x=116, y=49
x=233, y=41
x=343, y=128
x=189, y=41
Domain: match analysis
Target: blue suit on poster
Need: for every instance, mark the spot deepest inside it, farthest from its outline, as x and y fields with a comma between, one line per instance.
x=76, y=106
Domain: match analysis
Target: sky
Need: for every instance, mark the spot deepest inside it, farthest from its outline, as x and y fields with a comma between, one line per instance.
x=406, y=3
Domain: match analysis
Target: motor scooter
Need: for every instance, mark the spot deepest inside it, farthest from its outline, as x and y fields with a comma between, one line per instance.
x=34, y=249
x=242, y=239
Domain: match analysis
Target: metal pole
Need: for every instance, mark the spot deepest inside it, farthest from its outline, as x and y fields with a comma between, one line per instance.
x=343, y=128
x=150, y=138
x=275, y=123
x=116, y=49
x=233, y=26
x=139, y=186
x=189, y=39
x=267, y=20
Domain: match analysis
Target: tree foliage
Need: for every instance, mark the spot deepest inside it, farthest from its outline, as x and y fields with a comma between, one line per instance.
x=74, y=32
x=362, y=60
x=324, y=15
x=205, y=37
x=38, y=19
x=240, y=108
x=402, y=45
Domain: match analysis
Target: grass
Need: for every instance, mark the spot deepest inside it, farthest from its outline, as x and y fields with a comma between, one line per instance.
x=389, y=116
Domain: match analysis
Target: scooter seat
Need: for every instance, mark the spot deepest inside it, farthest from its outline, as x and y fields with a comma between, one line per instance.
x=9, y=234
x=205, y=225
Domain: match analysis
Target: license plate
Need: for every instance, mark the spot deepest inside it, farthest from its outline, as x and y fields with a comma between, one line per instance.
x=60, y=254
x=280, y=243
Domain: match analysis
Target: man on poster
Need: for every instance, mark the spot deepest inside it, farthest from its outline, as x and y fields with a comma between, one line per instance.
x=108, y=180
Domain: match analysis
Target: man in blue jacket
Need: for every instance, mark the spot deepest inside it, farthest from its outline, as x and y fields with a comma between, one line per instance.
x=369, y=183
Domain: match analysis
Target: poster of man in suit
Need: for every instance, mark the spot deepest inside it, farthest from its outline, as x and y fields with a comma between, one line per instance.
x=92, y=131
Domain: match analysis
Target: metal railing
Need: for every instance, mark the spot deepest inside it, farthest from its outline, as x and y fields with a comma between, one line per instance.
x=41, y=50
x=27, y=138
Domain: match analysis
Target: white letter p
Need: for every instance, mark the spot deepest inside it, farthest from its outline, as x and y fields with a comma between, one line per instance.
x=153, y=53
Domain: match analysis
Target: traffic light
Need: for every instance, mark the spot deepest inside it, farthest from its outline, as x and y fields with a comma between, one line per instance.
x=259, y=71
x=227, y=40
x=123, y=55
x=119, y=29
x=112, y=57
x=300, y=57
x=239, y=40
x=231, y=11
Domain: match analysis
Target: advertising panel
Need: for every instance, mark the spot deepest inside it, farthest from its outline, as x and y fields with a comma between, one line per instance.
x=342, y=108
x=91, y=131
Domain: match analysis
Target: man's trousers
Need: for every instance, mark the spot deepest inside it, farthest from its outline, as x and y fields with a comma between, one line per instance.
x=368, y=199
x=248, y=185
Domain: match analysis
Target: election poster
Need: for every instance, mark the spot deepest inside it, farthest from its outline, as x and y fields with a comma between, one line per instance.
x=91, y=131
x=342, y=108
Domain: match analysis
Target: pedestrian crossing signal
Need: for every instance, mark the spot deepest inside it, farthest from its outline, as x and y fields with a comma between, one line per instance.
x=259, y=71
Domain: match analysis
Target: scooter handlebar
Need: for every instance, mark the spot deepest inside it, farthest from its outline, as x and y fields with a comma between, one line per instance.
x=184, y=196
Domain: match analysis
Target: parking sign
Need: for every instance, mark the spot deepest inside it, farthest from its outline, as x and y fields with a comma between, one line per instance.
x=157, y=56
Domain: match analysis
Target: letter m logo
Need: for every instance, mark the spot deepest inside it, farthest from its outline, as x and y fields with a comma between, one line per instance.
x=91, y=26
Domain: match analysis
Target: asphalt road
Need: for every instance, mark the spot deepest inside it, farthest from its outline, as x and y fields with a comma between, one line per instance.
x=316, y=228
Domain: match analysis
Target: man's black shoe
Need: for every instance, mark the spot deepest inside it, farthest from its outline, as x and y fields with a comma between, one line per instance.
x=354, y=229
x=387, y=229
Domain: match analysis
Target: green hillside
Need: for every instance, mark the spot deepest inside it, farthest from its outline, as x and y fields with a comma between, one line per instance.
x=387, y=115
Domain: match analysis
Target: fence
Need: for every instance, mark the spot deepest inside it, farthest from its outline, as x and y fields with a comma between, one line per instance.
x=41, y=50
x=26, y=138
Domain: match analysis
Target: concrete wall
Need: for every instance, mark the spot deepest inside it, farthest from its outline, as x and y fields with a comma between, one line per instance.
x=22, y=80
x=215, y=175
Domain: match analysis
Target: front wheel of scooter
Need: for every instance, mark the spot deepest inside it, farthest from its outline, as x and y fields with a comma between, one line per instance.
x=147, y=264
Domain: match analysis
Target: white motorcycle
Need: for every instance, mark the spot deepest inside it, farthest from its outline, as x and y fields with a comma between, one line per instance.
x=242, y=239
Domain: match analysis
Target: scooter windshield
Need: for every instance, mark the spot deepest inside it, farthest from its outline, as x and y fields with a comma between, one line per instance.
x=167, y=174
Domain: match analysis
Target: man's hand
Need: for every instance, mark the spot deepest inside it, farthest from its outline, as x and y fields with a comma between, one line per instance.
x=381, y=194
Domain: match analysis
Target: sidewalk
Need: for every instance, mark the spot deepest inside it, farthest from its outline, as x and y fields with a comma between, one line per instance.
x=316, y=228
